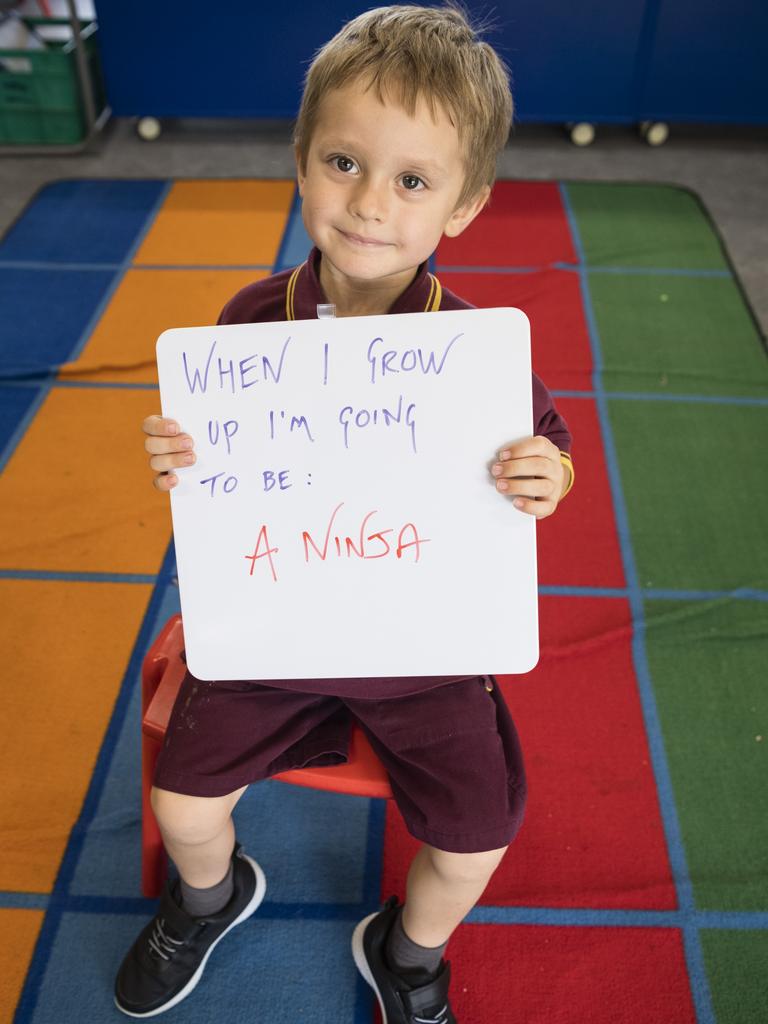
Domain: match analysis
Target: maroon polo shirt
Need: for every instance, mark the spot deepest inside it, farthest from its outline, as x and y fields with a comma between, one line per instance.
x=294, y=295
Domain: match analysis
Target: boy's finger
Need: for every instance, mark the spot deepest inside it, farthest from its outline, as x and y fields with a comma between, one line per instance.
x=539, y=509
x=166, y=445
x=535, y=488
x=529, y=446
x=164, y=463
x=532, y=465
x=159, y=426
x=165, y=481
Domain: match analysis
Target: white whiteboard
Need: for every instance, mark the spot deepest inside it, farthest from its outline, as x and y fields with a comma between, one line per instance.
x=384, y=548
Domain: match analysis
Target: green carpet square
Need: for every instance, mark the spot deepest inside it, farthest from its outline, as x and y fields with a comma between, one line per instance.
x=694, y=481
x=637, y=225
x=679, y=335
x=737, y=965
x=707, y=662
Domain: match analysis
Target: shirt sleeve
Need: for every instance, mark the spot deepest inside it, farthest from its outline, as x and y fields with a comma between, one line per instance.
x=548, y=422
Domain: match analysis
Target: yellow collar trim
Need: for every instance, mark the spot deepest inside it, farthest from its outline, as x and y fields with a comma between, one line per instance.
x=433, y=301
x=435, y=295
x=290, y=311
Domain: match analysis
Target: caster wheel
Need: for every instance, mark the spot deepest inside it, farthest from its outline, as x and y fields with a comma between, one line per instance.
x=655, y=133
x=148, y=128
x=582, y=133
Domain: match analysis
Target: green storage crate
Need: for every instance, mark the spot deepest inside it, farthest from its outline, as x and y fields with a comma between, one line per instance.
x=40, y=94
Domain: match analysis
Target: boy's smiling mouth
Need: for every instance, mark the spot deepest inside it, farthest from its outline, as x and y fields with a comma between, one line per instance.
x=361, y=240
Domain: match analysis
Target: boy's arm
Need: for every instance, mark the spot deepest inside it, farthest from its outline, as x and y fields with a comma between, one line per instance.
x=169, y=448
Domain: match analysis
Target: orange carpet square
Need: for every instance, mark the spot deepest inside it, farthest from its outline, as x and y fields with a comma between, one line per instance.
x=77, y=495
x=219, y=223
x=69, y=644
x=146, y=303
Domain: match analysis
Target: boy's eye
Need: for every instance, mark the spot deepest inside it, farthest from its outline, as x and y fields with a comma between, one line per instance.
x=343, y=163
x=412, y=182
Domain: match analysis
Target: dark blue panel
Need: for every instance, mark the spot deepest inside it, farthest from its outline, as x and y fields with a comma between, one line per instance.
x=14, y=403
x=570, y=61
x=709, y=62
x=239, y=59
x=248, y=60
x=43, y=314
x=82, y=222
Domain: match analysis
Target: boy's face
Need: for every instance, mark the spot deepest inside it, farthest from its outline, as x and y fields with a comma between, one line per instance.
x=380, y=187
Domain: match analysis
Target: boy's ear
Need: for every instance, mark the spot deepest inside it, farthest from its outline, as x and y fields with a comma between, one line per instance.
x=463, y=215
x=300, y=174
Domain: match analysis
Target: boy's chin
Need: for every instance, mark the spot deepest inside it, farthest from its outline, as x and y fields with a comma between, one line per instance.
x=370, y=267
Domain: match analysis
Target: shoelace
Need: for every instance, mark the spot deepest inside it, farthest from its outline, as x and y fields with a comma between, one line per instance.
x=441, y=1018
x=162, y=943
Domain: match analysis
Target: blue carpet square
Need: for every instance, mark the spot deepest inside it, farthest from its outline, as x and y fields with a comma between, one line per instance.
x=44, y=314
x=82, y=222
x=312, y=845
x=15, y=404
x=286, y=828
x=271, y=971
x=109, y=863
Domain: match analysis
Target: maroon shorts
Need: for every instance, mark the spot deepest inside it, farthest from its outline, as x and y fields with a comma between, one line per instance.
x=452, y=753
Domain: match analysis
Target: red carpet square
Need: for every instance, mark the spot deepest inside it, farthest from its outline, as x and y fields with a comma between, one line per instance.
x=593, y=833
x=532, y=974
x=579, y=544
x=551, y=299
x=525, y=225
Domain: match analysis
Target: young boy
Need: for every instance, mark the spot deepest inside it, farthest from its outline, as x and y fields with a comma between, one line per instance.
x=402, y=118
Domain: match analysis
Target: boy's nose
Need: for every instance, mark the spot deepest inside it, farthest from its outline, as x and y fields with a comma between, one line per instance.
x=369, y=201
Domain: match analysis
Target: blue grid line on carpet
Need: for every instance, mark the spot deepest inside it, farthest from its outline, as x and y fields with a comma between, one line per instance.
x=692, y=943
x=297, y=247
x=51, y=921
x=318, y=910
x=545, y=590
x=577, y=268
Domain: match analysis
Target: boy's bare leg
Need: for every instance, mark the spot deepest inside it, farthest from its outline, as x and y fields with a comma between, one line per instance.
x=198, y=833
x=168, y=956
x=441, y=890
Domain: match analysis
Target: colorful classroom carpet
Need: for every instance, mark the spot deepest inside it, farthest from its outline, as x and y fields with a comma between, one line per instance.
x=637, y=892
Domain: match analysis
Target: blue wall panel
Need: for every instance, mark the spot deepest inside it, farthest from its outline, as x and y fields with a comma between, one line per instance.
x=597, y=60
x=709, y=62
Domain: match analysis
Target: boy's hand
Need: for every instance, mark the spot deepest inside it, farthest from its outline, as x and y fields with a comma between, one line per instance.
x=531, y=470
x=169, y=448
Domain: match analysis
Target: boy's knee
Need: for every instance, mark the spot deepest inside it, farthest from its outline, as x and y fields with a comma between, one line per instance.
x=190, y=819
x=465, y=868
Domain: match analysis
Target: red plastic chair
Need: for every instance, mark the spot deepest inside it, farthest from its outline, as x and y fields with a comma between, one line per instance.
x=162, y=674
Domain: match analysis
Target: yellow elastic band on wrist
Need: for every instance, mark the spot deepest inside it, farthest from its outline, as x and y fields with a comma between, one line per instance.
x=565, y=458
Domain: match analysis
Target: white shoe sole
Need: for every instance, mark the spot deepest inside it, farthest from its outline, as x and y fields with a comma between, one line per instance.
x=258, y=896
x=362, y=963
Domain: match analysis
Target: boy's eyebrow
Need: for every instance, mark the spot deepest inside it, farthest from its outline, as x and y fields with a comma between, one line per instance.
x=430, y=167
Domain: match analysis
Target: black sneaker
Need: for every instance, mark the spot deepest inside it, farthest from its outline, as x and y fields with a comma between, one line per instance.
x=400, y=1002
x=168, y=958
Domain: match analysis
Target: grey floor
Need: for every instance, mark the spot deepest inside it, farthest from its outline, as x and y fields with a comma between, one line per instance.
x=727, y=167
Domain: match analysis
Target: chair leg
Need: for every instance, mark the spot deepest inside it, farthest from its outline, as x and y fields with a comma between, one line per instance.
x=154, y=860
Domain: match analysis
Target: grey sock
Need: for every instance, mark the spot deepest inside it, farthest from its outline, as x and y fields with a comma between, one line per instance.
x=416, y=964
x=202, y=902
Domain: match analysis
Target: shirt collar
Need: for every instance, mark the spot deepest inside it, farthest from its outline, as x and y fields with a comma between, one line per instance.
x=304, y=293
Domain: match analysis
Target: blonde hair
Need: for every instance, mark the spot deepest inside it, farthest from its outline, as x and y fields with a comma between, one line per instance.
x=406, y=53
